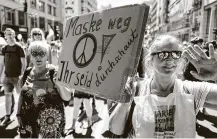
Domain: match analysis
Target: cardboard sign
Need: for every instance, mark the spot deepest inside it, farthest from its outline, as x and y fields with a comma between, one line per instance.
x=101, y=49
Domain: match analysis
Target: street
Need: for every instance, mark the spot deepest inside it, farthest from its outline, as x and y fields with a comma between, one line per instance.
x=206, y=128
x=10, y=131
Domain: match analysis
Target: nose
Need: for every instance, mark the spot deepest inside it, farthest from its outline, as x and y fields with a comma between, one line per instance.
x=38, y=57
x=169, y=58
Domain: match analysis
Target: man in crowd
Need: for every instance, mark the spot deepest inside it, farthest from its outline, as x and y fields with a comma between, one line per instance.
x=12, y=58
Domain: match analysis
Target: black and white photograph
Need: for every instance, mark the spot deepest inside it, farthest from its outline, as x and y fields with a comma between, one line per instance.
x=108, y=69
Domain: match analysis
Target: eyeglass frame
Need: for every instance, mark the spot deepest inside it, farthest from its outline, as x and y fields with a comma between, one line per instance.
x=38, y=53
x=178, y=53
x=38, y=34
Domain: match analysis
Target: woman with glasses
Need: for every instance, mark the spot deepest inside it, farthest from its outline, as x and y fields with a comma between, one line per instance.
x=40, y=107
x=167, y=106
x=38, y=35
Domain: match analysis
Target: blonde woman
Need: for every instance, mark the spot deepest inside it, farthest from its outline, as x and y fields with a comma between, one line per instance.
x=38, y=35
x=167, y=106
x=41, y=103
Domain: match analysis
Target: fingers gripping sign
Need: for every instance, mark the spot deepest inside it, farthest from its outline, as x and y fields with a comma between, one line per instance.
x=206, y=66
x=130, y=88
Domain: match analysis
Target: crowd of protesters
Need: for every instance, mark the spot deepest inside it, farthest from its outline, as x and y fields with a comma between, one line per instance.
x=174, y=81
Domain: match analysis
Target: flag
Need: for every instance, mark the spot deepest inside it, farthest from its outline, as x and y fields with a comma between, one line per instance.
x=50, y=35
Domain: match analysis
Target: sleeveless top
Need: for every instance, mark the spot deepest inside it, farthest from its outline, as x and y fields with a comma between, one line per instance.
x=173, y=116
x=42, y=109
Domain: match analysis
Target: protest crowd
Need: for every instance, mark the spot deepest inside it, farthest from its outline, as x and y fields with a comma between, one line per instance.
x=173, y=82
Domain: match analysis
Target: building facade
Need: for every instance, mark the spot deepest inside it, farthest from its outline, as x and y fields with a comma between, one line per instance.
x=180, y=18
x=208, y=20
x=40, y=14
x=78, y=7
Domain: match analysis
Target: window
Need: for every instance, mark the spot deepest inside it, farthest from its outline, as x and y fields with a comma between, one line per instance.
x=88, y=10
x=34, y=22
x=82, y=9
x=72, y=2
x=41, y=22
x=54, y=11
x=21, y=18
x=33, y=4
x=208, y=20
x=54, y=1
x=9, y=17
x=88, y=3
x=49, y=9
x=66, y=3
x=82, y=1
x=49, y=22
x=41, y=6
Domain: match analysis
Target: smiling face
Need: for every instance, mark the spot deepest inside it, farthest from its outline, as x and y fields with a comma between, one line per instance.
x=166, y=55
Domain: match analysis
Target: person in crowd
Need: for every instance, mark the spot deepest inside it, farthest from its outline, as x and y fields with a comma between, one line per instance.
x=41, y=103
x=166, y=106
x=13, y=63
x=38, y=35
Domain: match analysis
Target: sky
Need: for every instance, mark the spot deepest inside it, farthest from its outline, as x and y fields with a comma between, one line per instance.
x=116, y=3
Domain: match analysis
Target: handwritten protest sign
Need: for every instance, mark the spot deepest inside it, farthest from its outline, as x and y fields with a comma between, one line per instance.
x=101, y=49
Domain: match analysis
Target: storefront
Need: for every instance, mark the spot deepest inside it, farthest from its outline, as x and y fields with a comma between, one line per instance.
x=18, y=30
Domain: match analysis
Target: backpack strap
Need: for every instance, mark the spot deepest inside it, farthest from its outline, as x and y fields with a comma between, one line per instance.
x=25, y=75
x=51, y=73
x=129, y=125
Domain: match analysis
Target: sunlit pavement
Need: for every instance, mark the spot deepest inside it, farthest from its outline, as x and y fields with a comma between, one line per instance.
x=206, y=128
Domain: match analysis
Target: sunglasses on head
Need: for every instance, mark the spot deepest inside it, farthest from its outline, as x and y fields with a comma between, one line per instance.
x=38, y=53
x=36, y=34
x=165, y=54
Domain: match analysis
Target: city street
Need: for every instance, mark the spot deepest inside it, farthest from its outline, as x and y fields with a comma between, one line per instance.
x=206, y=128
x=10, y=131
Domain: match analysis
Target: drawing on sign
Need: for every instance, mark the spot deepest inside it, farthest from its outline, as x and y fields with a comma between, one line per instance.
x=106, y=40
x=81, y=61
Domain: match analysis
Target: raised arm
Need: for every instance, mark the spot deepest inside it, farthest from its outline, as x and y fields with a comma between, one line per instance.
x=206, y=71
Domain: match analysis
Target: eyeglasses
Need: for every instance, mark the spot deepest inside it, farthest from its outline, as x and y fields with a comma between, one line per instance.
x=36, y=34
x=38, y=53
x=165, y=54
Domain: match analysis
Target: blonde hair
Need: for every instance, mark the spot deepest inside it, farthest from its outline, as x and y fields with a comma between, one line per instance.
x=38, y=46
x=10, y=30
x=160, y=40
x=38, y=30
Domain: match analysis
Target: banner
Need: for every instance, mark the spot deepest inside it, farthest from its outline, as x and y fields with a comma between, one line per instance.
x=101, y=49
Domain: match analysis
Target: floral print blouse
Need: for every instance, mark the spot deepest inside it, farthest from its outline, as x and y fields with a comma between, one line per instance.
x=41, y=107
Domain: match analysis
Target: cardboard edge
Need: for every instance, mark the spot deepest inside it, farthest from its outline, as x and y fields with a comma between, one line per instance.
x=144, y=9
x=144, y=24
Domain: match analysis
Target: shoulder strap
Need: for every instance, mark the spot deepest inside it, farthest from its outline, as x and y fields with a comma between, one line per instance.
x=129, y=126
x=25, y=75
x=51, y=73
